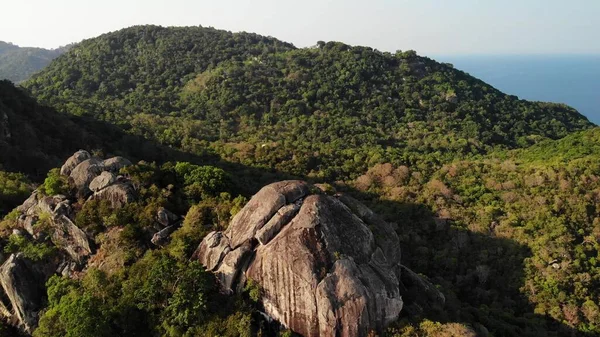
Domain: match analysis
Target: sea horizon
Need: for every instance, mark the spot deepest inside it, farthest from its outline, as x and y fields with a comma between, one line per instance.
x=572, y=79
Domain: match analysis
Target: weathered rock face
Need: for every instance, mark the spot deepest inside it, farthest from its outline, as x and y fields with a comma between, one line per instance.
x=77, y=158
x=115, y=164
x=327, y=265
x=90, y=174
x=52, y=217
x=23, y=285
x=71, y=239
x=104, y=180
x=117, y=195
x=165, y=217
x=83, y=174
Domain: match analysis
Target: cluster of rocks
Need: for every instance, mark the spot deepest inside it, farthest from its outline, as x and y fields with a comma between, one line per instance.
x=96, y=177
x=51, y=218
x=326, y=265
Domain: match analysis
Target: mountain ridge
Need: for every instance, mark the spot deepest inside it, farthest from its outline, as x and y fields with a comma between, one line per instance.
x=493, y=198
x=238, y=90
x=17, y=63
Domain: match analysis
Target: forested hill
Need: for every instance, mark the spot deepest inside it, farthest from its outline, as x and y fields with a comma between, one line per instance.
x=330, y=110
x=495, y=199
x=19, y=63
x=35, y=138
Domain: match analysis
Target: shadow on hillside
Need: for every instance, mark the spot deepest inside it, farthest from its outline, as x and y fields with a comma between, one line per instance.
x=480, y=274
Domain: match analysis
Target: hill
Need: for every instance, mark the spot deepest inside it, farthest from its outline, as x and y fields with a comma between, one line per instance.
x=327, y=110
x=492, y=197
x=513, y=232
x=17, y=64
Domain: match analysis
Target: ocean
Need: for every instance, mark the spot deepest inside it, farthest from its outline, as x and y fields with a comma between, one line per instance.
x=572, y=79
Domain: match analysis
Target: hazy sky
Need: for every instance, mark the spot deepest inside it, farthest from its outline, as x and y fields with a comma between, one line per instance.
x=431, y=27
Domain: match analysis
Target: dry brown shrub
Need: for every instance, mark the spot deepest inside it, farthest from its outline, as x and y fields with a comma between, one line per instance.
x=402, y=172
x=508, y=185
x=508, y=165
x=363, y=183
x=441, y=188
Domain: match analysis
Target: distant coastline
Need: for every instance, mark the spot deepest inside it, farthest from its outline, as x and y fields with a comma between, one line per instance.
x=570, y=79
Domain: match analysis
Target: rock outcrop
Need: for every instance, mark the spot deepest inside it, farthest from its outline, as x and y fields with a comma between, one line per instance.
x=23, y=286
x=76, y=159
x=104, y=180
x=83, y=174
x=326, y=265
x=47, y=219
x=115, y=164
x=117, y=195
x=89, y=174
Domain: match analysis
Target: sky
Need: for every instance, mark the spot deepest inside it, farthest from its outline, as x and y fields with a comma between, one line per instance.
x=431, y=27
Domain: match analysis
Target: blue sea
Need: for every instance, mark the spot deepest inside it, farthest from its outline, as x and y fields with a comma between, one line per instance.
x=574, y=80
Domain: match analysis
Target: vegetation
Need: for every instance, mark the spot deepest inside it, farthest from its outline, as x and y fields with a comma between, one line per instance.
x=495, y=198
x=55, y=183
x=152, y=291
x=513, y=234
x=14, y=188
x=17, y=63
x=329, y=112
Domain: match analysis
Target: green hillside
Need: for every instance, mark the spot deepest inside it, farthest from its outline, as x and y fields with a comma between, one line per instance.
x=514, y=232
x=495, y=198
x=328, y=111
x=17, y=64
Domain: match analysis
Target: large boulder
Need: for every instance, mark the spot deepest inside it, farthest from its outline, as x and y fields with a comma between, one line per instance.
x=104, y=180
x=117, y=195
x=115, y=164
x=83, y=174
x=261, y=208
x=76, y=159
x=23, y=285
x=161, y=237
x=92, y=174
x=326, y=265
x=165, y=217
x=71, y=239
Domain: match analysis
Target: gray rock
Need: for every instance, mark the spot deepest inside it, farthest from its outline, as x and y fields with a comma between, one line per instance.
x=160, y=238
x=231, y=267
x=30, y=202
x=384, y=233
x=165, y=217
x=115, y=164
x=212, y=249
x=83, y=174
x=63, y=208
x=104, y=180
x=118, y=195
x=71, y=239
x=27, y=223
x=76, y=159
x=321, y=269
x=421, y=293
x=23, y=285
